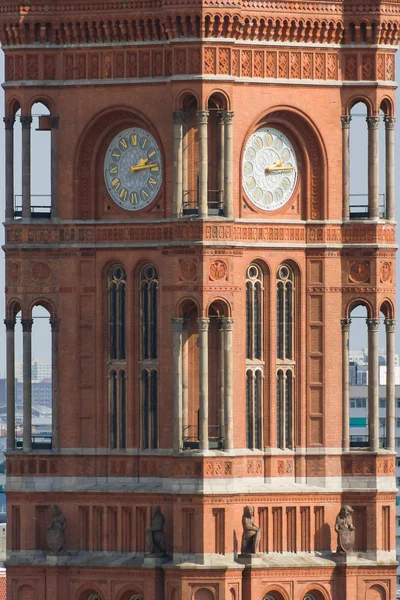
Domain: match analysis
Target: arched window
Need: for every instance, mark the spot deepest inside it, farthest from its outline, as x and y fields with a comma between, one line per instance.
x=254, y=305
x=94, y=596
x=117, y=356
x=309, y=597
x=148, y=312
x=285, y=357
x=149, y=356
x=254, y=356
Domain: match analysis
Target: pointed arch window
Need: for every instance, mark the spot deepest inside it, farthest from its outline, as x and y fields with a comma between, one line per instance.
x=285, y=357
x=149, y=356
x=117, y=357
x=254, y=356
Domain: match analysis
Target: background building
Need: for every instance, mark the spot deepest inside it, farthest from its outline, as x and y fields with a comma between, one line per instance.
x=200, y=258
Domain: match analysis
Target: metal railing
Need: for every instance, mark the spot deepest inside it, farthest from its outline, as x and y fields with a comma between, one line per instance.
x=40, y=441
x=362, y=441
x=359, y=208
x=191, y=438
x=40, y=210
x=190, y=205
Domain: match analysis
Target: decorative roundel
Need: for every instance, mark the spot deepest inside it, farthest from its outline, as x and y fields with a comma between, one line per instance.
x=269, y=168
x=132, y=169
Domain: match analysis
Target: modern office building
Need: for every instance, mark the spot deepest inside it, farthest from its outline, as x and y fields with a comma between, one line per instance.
x=359, y=436
x=200, y=263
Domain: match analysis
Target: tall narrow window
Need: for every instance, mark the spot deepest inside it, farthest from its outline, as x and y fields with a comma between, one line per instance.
x=149, y=355
x=117, y=357
x=254, y=356
x=285, y=357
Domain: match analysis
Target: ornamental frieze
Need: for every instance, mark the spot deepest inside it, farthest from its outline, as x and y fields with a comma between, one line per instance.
x=169, y=233
x=259, y=62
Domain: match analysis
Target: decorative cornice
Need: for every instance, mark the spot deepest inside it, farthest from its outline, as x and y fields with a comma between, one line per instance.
x=135, y=21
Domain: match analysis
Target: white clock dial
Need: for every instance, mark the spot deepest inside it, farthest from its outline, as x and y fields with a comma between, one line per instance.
x=269, y=169
x=132, y=169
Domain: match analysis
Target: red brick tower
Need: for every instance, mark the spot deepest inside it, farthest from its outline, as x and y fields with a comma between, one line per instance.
x=200, y=262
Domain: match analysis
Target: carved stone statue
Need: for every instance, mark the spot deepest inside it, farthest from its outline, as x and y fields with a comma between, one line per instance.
x=56, y=529
x=155, y=538
x=251, y=533
x=345, y=530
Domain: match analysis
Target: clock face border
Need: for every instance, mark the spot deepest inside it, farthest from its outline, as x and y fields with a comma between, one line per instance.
x=134, y=191
x=268, y=156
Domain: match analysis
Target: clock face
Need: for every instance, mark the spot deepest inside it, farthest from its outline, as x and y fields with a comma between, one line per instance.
x=269, y=169
x=132, y=169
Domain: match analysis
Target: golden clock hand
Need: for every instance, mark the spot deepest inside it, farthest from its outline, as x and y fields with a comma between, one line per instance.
x=273, y=169
x=135, y=168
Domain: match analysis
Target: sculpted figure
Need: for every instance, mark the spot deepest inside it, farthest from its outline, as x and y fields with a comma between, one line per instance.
x=251, y=533
x=55, y=530
x=345, y=530
x=155, y=538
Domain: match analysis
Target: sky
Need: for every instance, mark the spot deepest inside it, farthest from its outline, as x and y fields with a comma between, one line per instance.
x=41, y=336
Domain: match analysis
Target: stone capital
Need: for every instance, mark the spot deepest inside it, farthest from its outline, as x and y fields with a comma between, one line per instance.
x=178, y=117
x=220, y=117
x=203, y=324
x=228, y=116
x=373, y=122
x=346, y=120
x=27, y=325
x=373, y=324
x=55, y=121
x=177, y=324
x=55, y=325
x=389, y=122
x=345, y=324
x=202, y=117
x=390, y=325
x=10, y=324
x=9, y=122
x=227, y=323
x=26, y=122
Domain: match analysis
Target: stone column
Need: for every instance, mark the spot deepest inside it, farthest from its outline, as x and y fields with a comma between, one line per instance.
x=389, y=135
x=203, y=325
x=220, y=158
x=9, y=166
x=54, y=167
x=55, y=328
x=346, y=119
x=202, y=121
x=185, y=381
x=221, y=382
x=227, y=325
x=177, y=327
x=345, y=385
x=228, y=171
x=27, y=384
x=390, y=325
x=185, y=161
x=373, y=167
x=10, y=342
x=26, y=166
x=177, y=116
x=373, y=384
x=283, y=410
